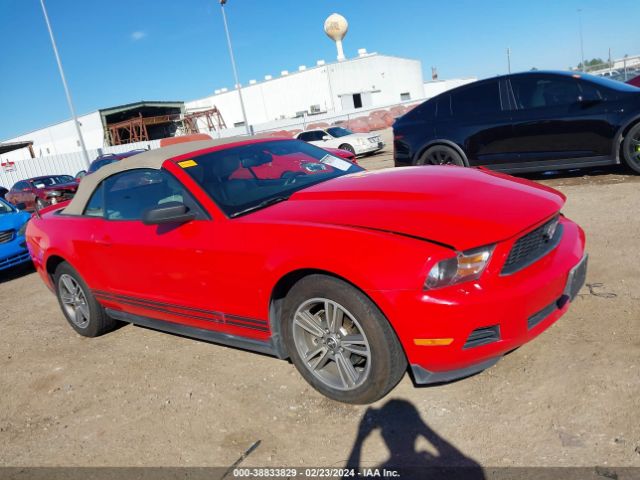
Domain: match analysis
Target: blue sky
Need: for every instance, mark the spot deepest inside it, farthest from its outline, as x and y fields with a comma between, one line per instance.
x=120, y=51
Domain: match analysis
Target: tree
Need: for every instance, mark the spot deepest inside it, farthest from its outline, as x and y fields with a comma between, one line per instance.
x=593, y=64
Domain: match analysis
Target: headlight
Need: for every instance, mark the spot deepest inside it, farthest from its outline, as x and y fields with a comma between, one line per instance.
x=55, y=193
x=465, y=266
x=23, y=228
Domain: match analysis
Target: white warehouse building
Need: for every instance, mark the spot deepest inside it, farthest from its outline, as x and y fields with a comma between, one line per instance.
x=367, y=81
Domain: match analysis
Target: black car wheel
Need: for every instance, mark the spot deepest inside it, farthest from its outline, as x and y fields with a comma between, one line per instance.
x=631, y=148
x=440, y=155
x=340, y=342
x=80, y=307
x=348, y=148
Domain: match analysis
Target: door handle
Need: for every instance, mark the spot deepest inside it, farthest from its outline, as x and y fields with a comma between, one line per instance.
x=105, y=241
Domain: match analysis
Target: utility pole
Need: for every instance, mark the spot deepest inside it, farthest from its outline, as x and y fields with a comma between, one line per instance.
x=584, y=67
x=66, y=87
x=509, y=59
x=233, y=65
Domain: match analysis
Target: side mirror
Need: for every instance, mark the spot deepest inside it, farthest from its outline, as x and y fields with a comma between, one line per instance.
x=80, y=174
x=21, y=206
x=326, y=137
x=170, y=212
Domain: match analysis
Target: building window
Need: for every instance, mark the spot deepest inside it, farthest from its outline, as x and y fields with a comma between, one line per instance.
x=315, y=109
x=405, y=96
x=238, y=124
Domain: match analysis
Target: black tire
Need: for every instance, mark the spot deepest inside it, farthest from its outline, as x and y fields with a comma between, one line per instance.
x=98, y=322
x=440, y=155
x=631, y=148
x=348, y=148
x=377, y=374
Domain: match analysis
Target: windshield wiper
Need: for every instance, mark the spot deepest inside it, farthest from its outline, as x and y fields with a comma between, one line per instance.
x=263, y=204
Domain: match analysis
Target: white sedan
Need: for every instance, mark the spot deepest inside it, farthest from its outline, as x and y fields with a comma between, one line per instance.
x=344, y=139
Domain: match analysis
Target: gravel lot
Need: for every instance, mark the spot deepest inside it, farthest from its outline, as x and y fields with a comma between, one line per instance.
x=139, y=397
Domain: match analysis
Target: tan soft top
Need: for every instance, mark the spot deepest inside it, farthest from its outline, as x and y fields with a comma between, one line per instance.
x=151, y=159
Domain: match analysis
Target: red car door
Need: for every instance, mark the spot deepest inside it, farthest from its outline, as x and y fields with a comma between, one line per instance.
x=169, y=272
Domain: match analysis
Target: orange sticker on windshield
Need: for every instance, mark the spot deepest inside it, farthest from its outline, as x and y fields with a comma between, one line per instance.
x=187, y=163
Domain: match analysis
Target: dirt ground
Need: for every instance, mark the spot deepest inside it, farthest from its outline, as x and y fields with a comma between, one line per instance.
x=140, y=397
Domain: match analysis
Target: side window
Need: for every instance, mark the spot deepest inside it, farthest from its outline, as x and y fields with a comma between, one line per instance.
x=95, y=205
x=318, y=134
x=476, y=100
x=590, y=92
x=544, y=92
x=129, y=194
x=424, y=111
x=305, y=136
x=20, y=186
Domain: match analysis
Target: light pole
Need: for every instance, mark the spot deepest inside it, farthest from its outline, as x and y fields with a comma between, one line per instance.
x=66, y=87
x=584, y=67
x=509, y=59
x=233, y=65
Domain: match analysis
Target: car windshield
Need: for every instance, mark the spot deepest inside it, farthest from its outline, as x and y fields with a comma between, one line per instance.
x=338, y=132
x=249, y=177
x=5, y=207
x=43, y=182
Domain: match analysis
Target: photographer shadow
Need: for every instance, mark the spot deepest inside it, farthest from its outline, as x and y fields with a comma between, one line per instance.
x=401, y=427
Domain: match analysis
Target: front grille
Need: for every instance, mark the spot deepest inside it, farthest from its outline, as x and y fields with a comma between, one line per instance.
x=533, y=246
x=6, y=235
x=482, y=336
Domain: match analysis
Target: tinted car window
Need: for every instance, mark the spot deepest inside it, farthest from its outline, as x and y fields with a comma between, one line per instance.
x=306, y=136
x=95, y=205
x=424, y=111
x=544, y=92
x=590, y=92
x=129, y=194
x=20, y=186
x=476, y=100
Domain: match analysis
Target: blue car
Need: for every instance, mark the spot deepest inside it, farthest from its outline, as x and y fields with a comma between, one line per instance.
x=13, y=248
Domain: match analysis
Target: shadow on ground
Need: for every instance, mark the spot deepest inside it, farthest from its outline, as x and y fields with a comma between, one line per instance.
x=401, y=427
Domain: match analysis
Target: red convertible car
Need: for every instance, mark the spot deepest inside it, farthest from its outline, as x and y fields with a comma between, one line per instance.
x=353, y=275
x=38, y=192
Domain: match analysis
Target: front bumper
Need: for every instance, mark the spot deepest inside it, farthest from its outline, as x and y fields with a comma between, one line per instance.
x=373, y=147
x=14, y=253
x=518, y=307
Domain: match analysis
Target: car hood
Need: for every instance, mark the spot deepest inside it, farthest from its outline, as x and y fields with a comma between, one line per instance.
x=458, y=207
x=13, y=221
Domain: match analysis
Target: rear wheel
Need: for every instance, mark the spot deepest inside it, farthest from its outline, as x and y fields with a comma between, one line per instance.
x=441, y=155
x=81, y=309
x=340, y=342
x=631, y=148
x=348, y=148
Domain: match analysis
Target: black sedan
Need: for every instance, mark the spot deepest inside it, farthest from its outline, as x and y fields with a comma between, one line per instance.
x=525, y=122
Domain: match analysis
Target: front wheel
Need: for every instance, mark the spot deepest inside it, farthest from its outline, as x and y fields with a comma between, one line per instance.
x=340, y=342
x=347, y=148
x=631, y=148
x=79, y=306
x=440, y=155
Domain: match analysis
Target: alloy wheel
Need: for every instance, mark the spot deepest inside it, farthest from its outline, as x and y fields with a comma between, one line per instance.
x=74, y=300
x=440, y=157
x=332, y=344
x=633, y=148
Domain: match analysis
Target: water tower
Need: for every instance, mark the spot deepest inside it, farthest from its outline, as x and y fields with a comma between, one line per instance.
x=336, y=26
